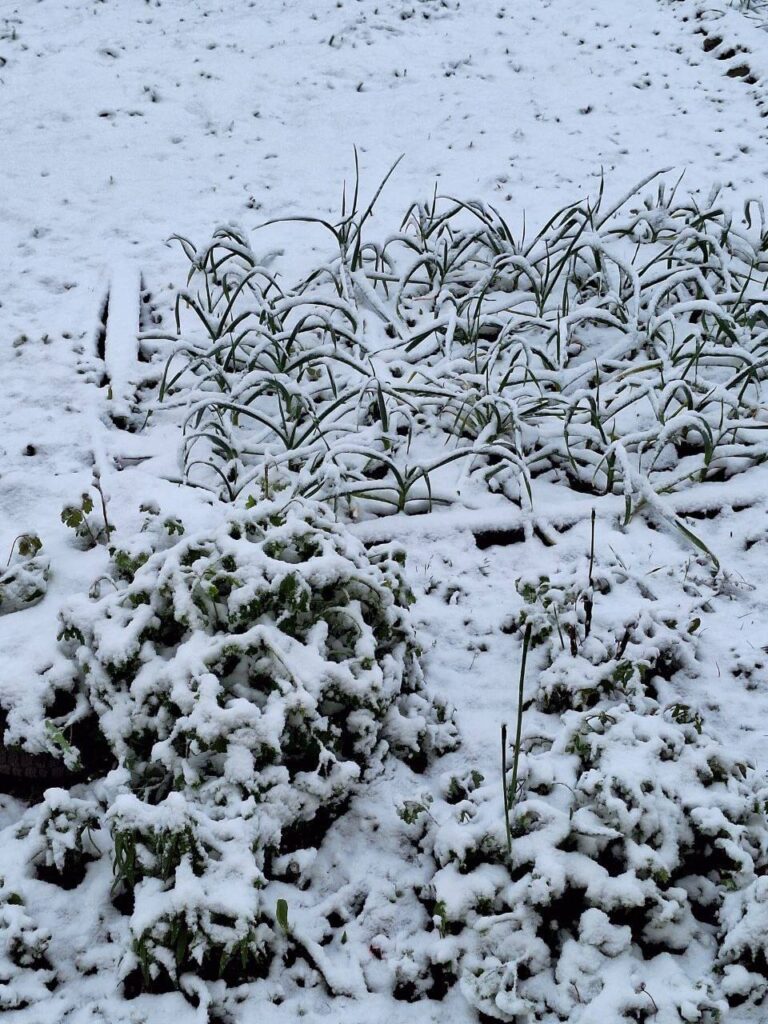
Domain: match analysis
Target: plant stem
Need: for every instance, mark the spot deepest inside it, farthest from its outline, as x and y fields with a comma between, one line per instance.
x=91, y=534
x=10, y=556
x=508, y=804
x=589, y=597
x=97, y=485
x=504, y=785
x=519, y=729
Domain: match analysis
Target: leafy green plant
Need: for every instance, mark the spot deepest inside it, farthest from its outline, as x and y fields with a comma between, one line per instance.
x=67, y=827
x=62, y=746
x=633, y=831
x=620, y=349
x=279, y=668
x=24, y=581
x=76, y=517
x=23, y=951
x=27, y=545
x=281, y=915
x=588, y=653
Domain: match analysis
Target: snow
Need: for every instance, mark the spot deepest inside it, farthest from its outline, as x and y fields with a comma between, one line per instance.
x=121, y=348
x=124, y=123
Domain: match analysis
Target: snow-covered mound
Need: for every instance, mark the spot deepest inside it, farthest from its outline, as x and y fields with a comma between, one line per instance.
x=246, y=682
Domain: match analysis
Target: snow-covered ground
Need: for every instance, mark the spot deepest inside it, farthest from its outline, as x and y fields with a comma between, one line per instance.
x=124, y=122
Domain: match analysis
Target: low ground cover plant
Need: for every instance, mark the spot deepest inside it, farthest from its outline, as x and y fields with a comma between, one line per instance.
x=634, y=845
x=26, y=975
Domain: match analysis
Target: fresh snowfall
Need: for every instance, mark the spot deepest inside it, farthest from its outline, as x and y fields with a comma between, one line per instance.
x=384, y=511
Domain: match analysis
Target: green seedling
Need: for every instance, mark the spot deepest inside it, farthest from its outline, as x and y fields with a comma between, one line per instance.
x=80, y=518
x=281, y=915
x=27, y=545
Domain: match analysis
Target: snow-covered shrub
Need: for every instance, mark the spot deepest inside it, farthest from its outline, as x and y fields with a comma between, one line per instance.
x=196, y=873
x=66, y=826
x=744, y=941
x=276, y=634
x=26, y=976
x=156, y=534
x=247, y=678
x=632, y=830
x=24, y=581
x=601, y=638
x=597, y=975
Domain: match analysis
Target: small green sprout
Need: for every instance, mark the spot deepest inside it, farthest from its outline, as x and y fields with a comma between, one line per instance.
x=281, y=915
x=27, y=545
